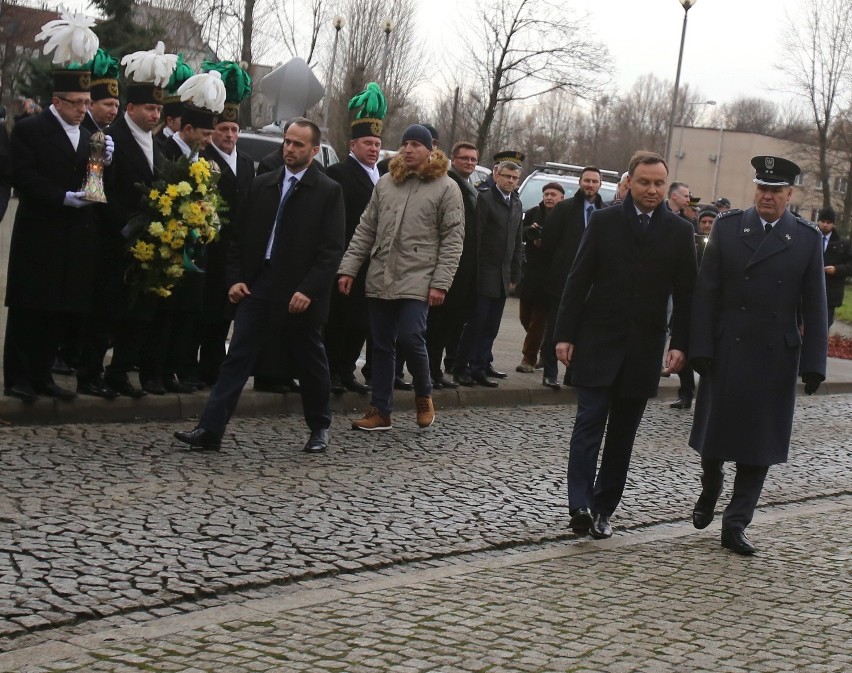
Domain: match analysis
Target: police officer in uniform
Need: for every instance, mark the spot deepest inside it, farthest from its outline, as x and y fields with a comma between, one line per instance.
x=758, y=323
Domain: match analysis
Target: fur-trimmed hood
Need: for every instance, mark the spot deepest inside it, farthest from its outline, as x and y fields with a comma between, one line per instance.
x=435, y=168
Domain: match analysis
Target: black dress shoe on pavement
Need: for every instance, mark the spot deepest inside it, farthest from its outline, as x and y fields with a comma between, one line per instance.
x=195, y=382
x=318, y=441
x=444, y=383
x=681, y=403
x=122, y=385
x=62, y=368
x=355, y=386
x=53, y=390
x=581, y=521
x=96, y=388
x=335, y=386
x=548, y=382
x=494, y=374
x=601, y=529
x=172, y=385
x=400, y=383
x=464, y=380
x=153, y=387
x=25, y=393
x=735, y=539
x=702, y=513
x=485, y=382
x=200, y=439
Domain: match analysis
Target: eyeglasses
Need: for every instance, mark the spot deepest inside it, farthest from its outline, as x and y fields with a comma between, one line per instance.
x=83, y=102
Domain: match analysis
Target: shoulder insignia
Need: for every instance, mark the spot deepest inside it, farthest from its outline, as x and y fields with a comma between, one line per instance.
x=807, y=223
x=728, y=213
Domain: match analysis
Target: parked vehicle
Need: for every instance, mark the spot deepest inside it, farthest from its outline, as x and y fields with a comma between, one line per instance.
x=258, y=145
x=568, y=176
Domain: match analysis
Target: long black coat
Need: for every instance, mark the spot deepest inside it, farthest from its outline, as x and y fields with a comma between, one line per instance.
x=463, y=290
x=309, y=243
x=561, y=237
x=52, y=252
x=533, y=288
x=838, y=253
x=500, y=248
x=614, y=306
x=751, y=289
x=234, y=190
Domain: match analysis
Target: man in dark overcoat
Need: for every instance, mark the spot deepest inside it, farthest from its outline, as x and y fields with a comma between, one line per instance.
x=52, y=251
x=837, y=261
x=499, y=253
x=761, y=274
x=281, y=275
x=611, y=328
x=560, y=238
x=347, y=327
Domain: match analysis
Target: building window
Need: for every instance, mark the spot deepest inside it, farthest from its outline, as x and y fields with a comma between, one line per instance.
x=800, y=180
x=840, y=185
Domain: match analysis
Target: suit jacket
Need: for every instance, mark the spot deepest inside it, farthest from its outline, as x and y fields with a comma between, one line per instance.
x=533, y=288
x=52, y=251
x=752, y=289
x=308, y=243
x=500, y=248
x=234, y=190
x=614, y=305
x=463, y=290
x=838, y=253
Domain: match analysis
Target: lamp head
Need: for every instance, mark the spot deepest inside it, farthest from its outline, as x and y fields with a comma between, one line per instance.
x=338, y=23
x=688, y=4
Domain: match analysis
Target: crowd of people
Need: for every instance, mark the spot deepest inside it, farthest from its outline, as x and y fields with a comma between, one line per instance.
x=412, y=259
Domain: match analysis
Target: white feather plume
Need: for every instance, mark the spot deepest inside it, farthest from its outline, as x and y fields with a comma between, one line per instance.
x=205, y=91
x=153, y=65
x=70, y=38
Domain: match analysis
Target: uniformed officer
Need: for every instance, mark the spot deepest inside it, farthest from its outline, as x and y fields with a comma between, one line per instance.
x=758, y=322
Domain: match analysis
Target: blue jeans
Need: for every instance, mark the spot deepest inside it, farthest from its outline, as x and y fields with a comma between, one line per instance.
x=398, y=322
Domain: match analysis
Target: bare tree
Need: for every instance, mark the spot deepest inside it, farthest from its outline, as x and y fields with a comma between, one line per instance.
x=299, y=25
x=819, y=57
x=750, y=115
x=530, y=48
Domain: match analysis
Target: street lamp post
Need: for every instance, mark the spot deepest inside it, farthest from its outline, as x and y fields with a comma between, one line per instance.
x=687, y=5
x=679, y=154
x=338, y=22
x=387, y=27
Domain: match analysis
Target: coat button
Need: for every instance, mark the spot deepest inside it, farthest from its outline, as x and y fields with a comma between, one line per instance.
x=737, y=339
x=742, y=308
x=779, y=282
x=746, y=277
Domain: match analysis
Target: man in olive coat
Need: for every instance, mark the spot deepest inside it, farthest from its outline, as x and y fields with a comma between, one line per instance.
x=762, y=274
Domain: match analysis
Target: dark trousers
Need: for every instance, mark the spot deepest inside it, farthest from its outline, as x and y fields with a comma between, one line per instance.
x=31, y=340
x=398, y=322
x=345, y=332
x=534, y=320
x=600, y=409
x=548, y=346
x=302, y=343
x=443, y=324
x=128, y=338
x=474, y=352
x=210, y=340
x=687, y=383
x=748, y=484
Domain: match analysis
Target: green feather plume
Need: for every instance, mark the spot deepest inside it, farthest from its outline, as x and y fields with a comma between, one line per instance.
x=371, y=101
x=102, y=65
x=181, y=73
x=237, y=81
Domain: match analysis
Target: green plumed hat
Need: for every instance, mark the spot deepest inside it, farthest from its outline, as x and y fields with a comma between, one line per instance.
x=237, y=86
x=372, y=108
x=172, y=104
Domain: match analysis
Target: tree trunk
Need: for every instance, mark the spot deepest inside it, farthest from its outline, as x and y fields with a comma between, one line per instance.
x=245, y=55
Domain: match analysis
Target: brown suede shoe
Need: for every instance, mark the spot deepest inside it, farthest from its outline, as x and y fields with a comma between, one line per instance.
x=425, y=411
x=373, y=420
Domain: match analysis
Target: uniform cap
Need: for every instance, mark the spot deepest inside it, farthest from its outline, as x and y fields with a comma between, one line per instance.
x=774, y=171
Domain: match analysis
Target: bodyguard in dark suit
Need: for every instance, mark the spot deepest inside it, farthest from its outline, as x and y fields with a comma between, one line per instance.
x=281, y=275
x=611, y=328
x=837, y=261
x=347, y=326
x=52, y=251
x=762, y=272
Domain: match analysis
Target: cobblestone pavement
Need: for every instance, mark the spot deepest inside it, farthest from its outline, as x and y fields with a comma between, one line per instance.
x=101, y=520
x=666, y=599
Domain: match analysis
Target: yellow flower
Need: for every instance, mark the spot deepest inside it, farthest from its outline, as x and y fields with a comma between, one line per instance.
x=161, y=291
x=173, y=225
x=202, y=188
x=177, y=243
x=174, y=271
x=200, y=171
x=184, y=188
x=165, y=204
x=153, y=195
x=165, y=252
x=143, y=251
x=172, y=190
x=166, y=237
x=156, y=229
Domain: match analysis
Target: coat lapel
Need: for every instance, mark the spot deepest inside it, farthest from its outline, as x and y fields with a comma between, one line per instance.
x=777, y=240
x=56, y=135
x=360, y=174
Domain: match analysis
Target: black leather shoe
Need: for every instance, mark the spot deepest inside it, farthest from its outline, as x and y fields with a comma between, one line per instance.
x=485, y=382
x=53, y=390
x=172, y=385
x=62, y=368
x=494, y=374
x=195, y=382
x=551, y=383
x=735, y=539
x=154, y=387
x=96, y=388
x=121, y=384
x=703, y=512
x=335, y=386
x=25, y=393
x=444, y=383
x=318, y=441
x=355, y=386
x=464, y=380
x=601, y=529
x=581, y=521
x=400, y=383
x=200, y=439
x=681, y=403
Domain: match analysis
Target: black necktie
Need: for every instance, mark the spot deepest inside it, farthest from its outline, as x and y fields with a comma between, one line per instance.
x=644, y=221
x=767, y=227
x=278, y=216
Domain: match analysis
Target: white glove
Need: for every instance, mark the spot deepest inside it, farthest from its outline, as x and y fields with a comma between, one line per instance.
x=109, y=149
x=75, y=200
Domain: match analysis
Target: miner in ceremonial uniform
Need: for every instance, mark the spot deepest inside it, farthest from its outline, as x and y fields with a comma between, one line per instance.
x=104, y=92
x=758, y=324
x=52, y=250
x=172, y=110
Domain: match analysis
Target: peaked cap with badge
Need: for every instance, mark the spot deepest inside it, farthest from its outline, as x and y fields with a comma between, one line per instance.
x=774, y=171
x=510, y=155
x=237, y=86
x=372, y=108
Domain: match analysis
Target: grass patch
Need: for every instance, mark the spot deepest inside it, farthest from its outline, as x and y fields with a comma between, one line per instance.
x=844, y=313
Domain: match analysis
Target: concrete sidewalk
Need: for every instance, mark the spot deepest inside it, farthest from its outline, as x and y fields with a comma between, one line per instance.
x=517, y=389
x=665, y=598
